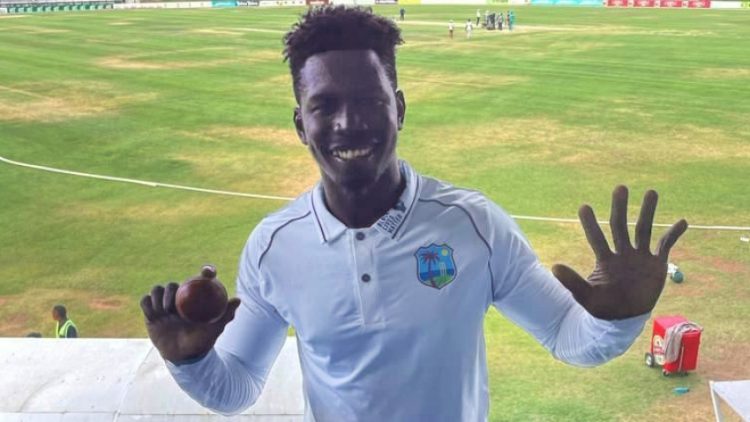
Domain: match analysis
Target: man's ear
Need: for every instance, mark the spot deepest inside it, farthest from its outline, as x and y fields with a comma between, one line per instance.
x=299, y=126
x=400, y=108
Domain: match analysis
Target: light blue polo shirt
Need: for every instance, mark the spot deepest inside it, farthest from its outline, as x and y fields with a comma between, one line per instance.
x=389, y=319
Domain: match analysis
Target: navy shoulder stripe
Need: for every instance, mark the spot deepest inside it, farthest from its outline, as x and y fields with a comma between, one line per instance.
x=273, y=235
x=468, y=214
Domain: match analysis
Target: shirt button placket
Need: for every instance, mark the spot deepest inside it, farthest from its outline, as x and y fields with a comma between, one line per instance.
x=364, y=270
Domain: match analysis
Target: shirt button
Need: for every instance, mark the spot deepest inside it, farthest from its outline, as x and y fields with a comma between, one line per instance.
x=360, y=236
x=365, y=277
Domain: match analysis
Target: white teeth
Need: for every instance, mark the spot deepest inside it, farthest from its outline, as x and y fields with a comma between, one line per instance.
x=348, y=154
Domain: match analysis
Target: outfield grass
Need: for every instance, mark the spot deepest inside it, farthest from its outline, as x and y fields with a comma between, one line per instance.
x=541, y=120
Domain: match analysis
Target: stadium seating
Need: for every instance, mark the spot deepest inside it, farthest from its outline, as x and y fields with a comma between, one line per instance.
x=44, y=6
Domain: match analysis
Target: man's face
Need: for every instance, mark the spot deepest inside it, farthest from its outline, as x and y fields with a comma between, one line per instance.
x=349, y=116
x=54, y=315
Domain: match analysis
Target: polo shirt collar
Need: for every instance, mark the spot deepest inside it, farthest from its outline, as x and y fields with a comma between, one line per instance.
x=391, y=224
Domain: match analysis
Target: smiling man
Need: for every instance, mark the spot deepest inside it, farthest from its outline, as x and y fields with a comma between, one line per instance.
x=386, y=274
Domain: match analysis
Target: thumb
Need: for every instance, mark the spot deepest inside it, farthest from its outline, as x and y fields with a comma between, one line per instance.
x=232, y=306
x=573, y=282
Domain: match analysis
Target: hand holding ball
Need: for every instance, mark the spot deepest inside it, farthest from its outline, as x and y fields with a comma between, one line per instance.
x=202, y=299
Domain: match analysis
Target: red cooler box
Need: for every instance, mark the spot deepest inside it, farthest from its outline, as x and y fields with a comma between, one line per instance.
x=674, y=345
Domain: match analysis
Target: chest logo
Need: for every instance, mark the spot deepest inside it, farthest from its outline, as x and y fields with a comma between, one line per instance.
x=435, y=265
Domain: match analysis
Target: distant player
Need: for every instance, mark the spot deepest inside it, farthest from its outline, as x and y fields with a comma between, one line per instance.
x=469, y=28
x=511, y=20
x=500, y=20
x=479, y=16
x=402, y=13
x=451, y=27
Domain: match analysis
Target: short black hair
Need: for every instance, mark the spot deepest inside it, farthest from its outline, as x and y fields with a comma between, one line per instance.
x=61, y=311
x=328, y=28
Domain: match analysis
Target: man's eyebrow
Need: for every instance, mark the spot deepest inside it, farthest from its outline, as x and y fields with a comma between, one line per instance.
x=321, y=96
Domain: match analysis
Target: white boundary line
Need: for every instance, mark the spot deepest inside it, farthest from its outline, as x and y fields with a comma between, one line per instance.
x=286, y=198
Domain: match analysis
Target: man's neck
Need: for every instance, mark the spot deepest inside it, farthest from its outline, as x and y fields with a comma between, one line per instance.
x=362, y=208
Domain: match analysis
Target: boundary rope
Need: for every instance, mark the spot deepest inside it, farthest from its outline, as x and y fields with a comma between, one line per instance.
x=286, y=198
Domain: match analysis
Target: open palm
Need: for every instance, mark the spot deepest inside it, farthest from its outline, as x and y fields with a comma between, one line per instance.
x=628, y=281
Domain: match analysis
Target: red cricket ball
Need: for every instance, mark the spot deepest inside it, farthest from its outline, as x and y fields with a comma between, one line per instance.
x=202, y=299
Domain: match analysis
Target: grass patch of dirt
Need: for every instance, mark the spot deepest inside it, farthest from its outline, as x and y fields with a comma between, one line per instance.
x=263, y=134
x=185, y=209
x=547, y=140
x=422, y=85
x=723, y=73
x=63, y=100
x=256, y=173
x=37, y=31
x=696, y=404
x=161, y=61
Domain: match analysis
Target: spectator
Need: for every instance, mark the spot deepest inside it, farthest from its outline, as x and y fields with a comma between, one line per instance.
x=64, y=327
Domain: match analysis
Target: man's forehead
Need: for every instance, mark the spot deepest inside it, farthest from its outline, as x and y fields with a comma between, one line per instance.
x=337, y=63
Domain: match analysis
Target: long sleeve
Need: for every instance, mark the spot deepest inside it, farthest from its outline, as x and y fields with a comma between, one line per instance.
x=531, y=296
x=230, y=378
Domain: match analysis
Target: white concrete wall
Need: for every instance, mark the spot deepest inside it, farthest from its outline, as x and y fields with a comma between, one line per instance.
x=46, y=380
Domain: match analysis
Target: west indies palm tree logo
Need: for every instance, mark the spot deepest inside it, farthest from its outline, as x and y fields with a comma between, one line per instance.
x=435, y=265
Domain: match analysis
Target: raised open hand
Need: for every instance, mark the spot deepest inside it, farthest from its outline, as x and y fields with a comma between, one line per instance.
x=628, y=281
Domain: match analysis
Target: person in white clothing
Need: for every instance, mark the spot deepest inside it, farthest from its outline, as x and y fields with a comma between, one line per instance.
x=468, y=28
x=387, y=274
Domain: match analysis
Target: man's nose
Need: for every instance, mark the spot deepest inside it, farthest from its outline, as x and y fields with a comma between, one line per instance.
x=350, y=117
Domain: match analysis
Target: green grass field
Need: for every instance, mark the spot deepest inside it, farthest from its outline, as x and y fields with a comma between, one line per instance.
x=541, y=120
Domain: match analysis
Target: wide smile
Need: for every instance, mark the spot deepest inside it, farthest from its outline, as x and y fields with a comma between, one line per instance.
x=349, y=154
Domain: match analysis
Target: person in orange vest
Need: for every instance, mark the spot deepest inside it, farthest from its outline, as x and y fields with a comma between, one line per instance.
x=64, y=327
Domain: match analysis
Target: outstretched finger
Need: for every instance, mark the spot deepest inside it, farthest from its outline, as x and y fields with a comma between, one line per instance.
x=157, y=300
x=148, y=309
x=169, y=298
x=670, y=238
x=594, y=233
x=646, y=221
x=618, y=219
x=577, y=285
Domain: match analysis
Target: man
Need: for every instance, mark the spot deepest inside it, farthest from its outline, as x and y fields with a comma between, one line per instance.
x=64, y=327
x=451, y=26
x=479, y=16
x=402, y=12
x=469, y=27
x=386, y=274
